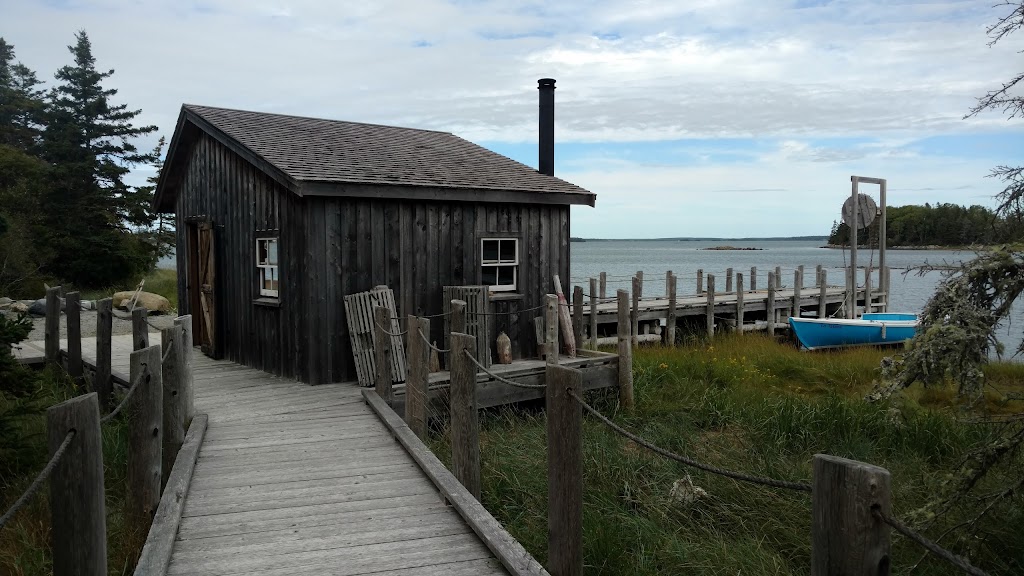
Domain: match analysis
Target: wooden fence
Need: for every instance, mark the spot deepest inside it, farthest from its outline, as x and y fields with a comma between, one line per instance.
x=159, y=408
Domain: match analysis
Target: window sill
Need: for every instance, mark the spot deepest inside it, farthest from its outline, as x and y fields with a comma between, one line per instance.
x=268, y=302
x=504, y=296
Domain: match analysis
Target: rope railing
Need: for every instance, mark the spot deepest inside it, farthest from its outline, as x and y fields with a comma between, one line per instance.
x=932, y=547
x=389, y=333
x=500, y=378
x=144, y=375
x=800, y=486
x=435, y=348
x=38, y=482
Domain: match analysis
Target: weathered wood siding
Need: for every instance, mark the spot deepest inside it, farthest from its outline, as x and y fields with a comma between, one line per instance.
x=241, y=200
x=416, y=248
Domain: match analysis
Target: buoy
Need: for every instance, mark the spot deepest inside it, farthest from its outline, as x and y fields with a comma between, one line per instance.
x=504, y=349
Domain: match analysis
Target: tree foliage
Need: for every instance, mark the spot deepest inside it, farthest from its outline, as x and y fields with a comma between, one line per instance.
x=939, y=225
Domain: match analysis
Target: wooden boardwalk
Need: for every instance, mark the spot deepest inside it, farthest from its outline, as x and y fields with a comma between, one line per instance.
x=299, y=479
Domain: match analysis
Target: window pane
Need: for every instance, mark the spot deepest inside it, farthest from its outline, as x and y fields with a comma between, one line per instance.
x=271, y=251
x=489, y=275
x=265, y=278
x=508, y=251
x=490, y=251
x=506, y=275
x=261, y=251
x=275, y=281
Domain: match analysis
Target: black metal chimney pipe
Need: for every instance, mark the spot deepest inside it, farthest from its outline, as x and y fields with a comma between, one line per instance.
x=546, y=144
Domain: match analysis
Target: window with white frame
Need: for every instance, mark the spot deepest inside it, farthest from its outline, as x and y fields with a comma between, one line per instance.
x=266, y=265
x=499, y=263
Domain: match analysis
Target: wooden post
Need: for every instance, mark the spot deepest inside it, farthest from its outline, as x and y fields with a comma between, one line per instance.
x=739, y=302
x=670, y=322
x=145, y=438
x=888, y=288
x=465, y=420
x=846, y=536
x=798, y=280
x=541, y=337
x=101, y=383
x=577, y=315
x=593, y=314
x=456, y=323
x=185, y=366
x=78, y=518
x=851, y=293
x=753, y=278
x=52, y=342
x=140, y=329
x=700, y=281
x=817, y=275
x=416, y=378
x=668, y=282
x=778, y=278
x=711, y=306
x=634, y=313
x=769, y=304
x=604, y=285
x=382, y=379
x=73, y=310
x=640, y=282
x=625, y=351
x=565, y=471
x=728, y=280
x=551, y=328
x=823, y=286
x=867, y=290
x=173, y=408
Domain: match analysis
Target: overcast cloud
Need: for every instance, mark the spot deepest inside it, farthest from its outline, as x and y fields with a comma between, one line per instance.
x=697, y=118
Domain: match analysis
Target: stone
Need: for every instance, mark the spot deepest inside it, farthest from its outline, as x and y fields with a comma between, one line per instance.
x=684, y=491
x=155, y=303
x=38, y=308
x=6, y=302
x=19, y=307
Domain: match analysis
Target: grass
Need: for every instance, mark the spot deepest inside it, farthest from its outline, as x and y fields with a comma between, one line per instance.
x=750, y=404
x=25, y=541
x=161, y=281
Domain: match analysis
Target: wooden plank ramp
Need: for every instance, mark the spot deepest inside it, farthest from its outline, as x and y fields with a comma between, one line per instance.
x=299, y=479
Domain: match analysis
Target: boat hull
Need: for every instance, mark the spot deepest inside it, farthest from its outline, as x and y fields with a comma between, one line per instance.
x=876, y=330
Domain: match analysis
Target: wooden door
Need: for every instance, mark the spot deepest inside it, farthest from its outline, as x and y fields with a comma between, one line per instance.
x=207, y=292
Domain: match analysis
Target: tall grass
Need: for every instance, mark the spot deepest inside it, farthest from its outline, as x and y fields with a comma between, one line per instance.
x=161, y=281
x=25, y=541
x=749, y=404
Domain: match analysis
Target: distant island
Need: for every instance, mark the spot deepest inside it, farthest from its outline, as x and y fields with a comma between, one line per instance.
x=695, y=239
x=730, y=248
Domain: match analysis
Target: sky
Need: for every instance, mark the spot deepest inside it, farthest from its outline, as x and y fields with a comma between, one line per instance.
x=722, y=118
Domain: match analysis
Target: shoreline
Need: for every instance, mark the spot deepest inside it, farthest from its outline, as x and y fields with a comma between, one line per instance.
x=929, y=247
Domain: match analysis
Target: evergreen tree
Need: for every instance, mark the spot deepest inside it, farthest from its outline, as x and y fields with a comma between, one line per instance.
x=160, y=230
x=21, y=103
x=88, y=144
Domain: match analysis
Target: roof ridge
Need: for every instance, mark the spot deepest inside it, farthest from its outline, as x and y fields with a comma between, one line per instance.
x=195, y=106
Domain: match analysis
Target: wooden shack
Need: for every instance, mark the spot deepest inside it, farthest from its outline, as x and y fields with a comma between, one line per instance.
x=279, y=217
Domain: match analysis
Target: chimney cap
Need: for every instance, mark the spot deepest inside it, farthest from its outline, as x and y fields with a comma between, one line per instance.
x=546, y=83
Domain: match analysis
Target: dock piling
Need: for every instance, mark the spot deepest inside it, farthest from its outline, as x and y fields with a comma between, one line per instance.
x=711, y=306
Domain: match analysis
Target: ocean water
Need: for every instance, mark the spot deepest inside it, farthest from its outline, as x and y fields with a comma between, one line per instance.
x=620, y=259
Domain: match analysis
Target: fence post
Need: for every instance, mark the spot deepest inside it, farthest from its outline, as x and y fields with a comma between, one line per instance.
x=104, y=328
x=465, y=420
x=382, y=351
x=711, y=306
x=173, y=406
x=565, y=471
x=416, y=379
x=823, y=286
x=778, y=278
x=867, y=290
x=185, y=367
x=577, y=315
x=700, y=281
x=888, y=288
x=52, y=343
x=728, y=280
x=140, y=329
x=798, y=280
x=817, y=275
x=668, y=282
x=551, y=328
x=846, y=537
x=634, y=314
x=73, y=310
x=78, y=519
x=457, y=322
x=145, y=437
x=739, y=302
x=753, y=278
x=604, y=285
x=640, y=282
x=769, y=304
x=670, y=322
x=625, y=351
x=593, y=314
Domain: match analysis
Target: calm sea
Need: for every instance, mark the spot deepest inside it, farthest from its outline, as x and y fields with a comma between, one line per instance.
x=623, y=258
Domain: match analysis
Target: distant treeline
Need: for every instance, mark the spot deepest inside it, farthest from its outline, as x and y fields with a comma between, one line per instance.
x=938, y=225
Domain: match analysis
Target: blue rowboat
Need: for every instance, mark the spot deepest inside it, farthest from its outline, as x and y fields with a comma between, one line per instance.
x=870, y=330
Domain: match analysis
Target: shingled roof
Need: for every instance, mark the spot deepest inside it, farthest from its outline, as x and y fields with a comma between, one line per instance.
x=315, y=157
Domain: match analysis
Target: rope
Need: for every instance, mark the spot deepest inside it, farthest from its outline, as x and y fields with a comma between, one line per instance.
x=801, y=486
x=38, y=482
x=499, y=378
x=511, y=312
x=124, y=401
x=932, y=547
x=382, y=329
x=436, y=349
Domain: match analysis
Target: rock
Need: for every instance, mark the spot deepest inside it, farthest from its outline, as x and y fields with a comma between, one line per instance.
x=155, y=303
x=684, y=491
x=6, y=302
x=19, y=307
x=38, y=308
